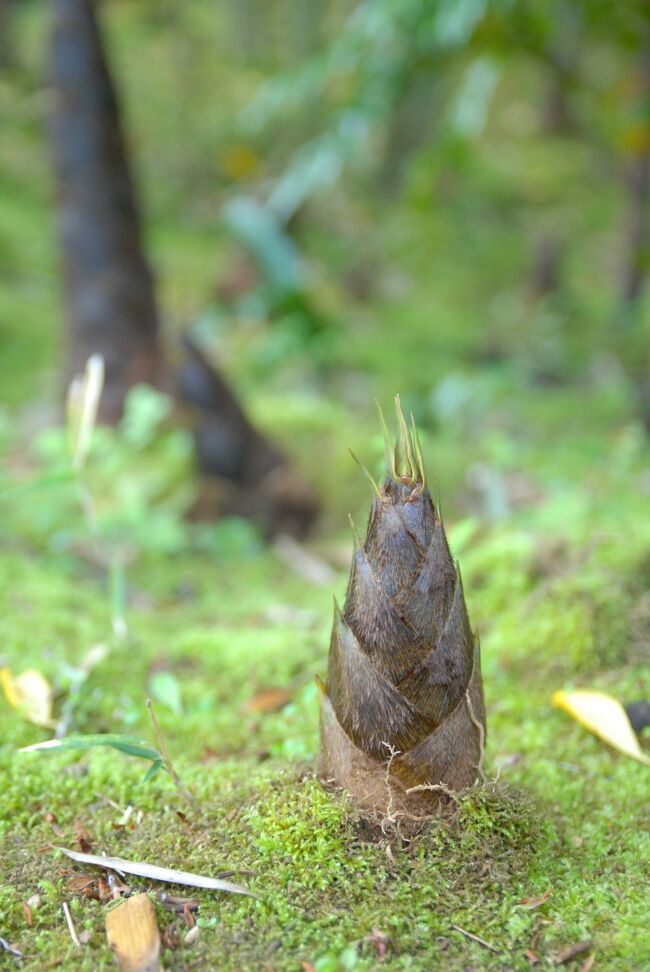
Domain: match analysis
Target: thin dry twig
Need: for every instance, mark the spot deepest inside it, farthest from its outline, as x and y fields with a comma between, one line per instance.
x=180, y=786
x=71, y=928
x=476, y=938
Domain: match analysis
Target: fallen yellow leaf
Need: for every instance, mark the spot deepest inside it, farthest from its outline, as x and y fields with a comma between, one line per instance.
x=133, y=935
x=30, y=693
x=605, y=717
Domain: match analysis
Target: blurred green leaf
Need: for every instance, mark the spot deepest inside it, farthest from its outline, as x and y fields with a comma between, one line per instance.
x=262, y=235
x=165, y=689
x=125, y=744
x=151, y=772
x=145, y=409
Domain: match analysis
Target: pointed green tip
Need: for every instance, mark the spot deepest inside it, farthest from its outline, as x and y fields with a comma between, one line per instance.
x=366, y=473
x=357, y=538
x=320, y=685
x=389, y=446
x=404, y=458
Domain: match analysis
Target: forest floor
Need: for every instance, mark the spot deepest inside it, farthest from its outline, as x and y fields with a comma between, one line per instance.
x=559, y=593
x=544, y=474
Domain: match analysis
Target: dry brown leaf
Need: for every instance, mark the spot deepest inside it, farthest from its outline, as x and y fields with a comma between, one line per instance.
x=93, y=888
x=530, y=903
x=84, y=839
x=104, y=890
x=27, y=913
x=572, y=951
x=170, y=937
x=267, y=700
x=188, y=917
x=185, y=820
x=50, y=818
x=80, y=882
x=133, y=935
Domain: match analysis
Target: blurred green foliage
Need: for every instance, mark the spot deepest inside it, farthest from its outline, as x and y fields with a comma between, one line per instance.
x=139, y=475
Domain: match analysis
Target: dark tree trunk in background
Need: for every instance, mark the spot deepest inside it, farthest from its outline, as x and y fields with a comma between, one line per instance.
x=6, y=47
x=558, y=116
x=109, y=286
x=559, y=59
x=112, y=307
x=251, y=476
x=638, y=183
x=546, y=269
x=557, y=121
x=635, y=353
x=638, y=186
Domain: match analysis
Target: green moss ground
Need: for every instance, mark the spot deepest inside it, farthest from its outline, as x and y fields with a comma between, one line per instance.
x=567, y=813
x=554, y=547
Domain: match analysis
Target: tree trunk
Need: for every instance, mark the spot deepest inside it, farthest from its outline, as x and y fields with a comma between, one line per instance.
x=109, y=286
x=558, y=115
x=6, y=46
x=635, y=271
x=247, y=475
x=635, y=350
x=545, y=276
x=638, y=186
x=112, y=307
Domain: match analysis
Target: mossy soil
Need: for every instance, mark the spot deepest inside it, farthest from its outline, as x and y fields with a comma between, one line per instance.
x=528, y=426
x=567, y=815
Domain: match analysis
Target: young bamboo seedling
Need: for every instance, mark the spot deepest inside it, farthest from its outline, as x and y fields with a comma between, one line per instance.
x=402, y=714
